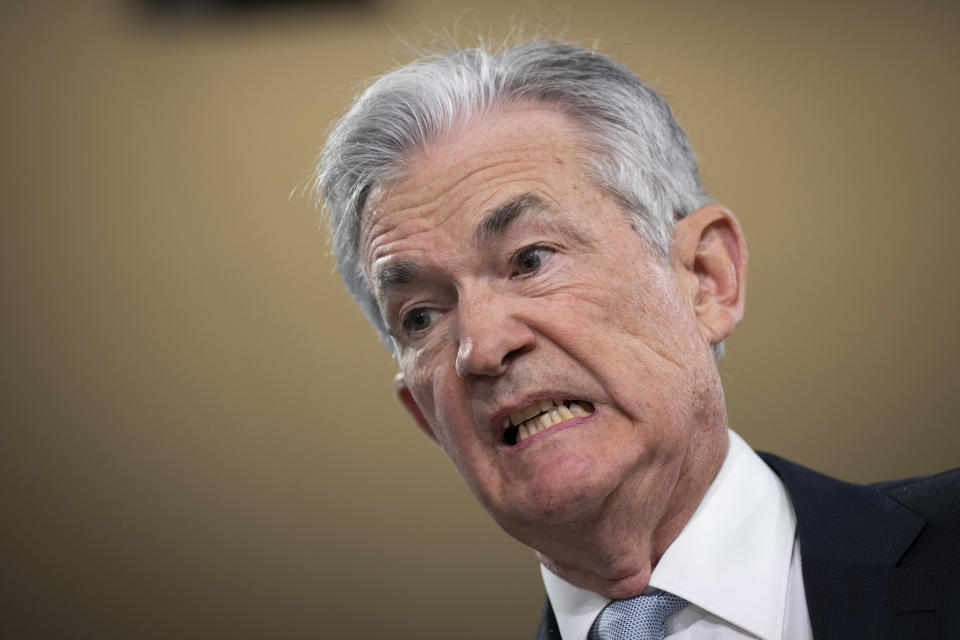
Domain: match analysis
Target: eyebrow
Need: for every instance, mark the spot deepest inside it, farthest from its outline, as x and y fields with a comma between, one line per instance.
x=396, y=275
x=495, y=223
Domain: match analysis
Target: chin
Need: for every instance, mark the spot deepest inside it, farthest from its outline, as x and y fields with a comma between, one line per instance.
x=552, y=501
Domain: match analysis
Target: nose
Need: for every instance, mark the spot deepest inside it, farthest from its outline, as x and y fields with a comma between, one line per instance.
x=490, y=336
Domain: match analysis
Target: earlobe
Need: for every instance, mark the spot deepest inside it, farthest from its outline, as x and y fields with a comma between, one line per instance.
x=410, y=404
x=711, y=251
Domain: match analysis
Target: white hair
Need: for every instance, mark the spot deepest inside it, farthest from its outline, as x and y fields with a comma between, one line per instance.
x=635, y=149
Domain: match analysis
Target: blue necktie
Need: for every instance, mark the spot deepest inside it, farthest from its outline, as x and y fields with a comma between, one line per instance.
x=639, y=618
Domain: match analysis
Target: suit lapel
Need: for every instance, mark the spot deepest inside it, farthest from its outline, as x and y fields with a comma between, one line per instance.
x=548, y=629
x=852, y=538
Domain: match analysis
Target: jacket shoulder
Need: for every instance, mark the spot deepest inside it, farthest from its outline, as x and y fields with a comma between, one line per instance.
x=935, y=497
x=909, y=522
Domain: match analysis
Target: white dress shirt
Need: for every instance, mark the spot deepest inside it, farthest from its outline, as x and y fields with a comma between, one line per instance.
x=737, y=563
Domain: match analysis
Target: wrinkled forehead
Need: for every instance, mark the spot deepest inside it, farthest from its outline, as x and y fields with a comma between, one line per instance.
x=458, y=176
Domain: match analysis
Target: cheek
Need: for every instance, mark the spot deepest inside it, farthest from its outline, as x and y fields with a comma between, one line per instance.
x=449, y=414
x=633, y=335
x=650, y=307
x=424, y=390
x=615, y=312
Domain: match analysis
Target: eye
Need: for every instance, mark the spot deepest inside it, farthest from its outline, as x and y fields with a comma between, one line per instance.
x=529, y=259
x=418, y=319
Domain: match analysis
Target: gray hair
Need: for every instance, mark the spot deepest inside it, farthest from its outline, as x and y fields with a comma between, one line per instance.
x=635, y=149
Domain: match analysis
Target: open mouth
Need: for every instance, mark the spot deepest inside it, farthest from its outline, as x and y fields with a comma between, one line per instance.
x=542, y=415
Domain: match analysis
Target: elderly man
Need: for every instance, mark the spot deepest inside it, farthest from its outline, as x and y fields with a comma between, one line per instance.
x=527, y=231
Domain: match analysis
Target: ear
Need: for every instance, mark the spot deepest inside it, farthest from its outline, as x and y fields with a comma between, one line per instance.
x=710, y=259
x=410, y=404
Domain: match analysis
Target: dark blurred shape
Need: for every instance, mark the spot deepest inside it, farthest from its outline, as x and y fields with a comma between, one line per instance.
x=233, y=7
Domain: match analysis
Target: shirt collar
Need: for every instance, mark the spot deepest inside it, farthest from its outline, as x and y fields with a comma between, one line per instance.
x=731, y=559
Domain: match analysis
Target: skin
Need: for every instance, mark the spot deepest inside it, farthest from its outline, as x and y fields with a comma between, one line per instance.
x=566, y=302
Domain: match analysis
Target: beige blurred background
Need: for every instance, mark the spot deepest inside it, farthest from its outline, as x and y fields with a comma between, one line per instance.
x=198, y=434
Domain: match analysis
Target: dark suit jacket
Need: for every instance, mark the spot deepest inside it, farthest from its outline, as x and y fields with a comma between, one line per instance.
x=879, y=561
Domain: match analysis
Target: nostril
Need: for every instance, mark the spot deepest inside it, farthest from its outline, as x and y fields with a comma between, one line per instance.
x=514, y=354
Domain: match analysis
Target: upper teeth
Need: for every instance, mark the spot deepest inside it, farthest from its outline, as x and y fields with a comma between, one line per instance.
x=541, y=415
x=518, y=417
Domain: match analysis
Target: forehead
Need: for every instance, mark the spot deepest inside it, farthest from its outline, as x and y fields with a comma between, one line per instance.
x=467, y=173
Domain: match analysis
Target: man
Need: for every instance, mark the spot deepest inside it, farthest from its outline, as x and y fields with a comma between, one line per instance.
x=527, y=231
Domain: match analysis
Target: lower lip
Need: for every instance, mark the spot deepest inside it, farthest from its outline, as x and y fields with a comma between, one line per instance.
x=560, y=426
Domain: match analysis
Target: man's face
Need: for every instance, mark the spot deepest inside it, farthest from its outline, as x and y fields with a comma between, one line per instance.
x=506, y=278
